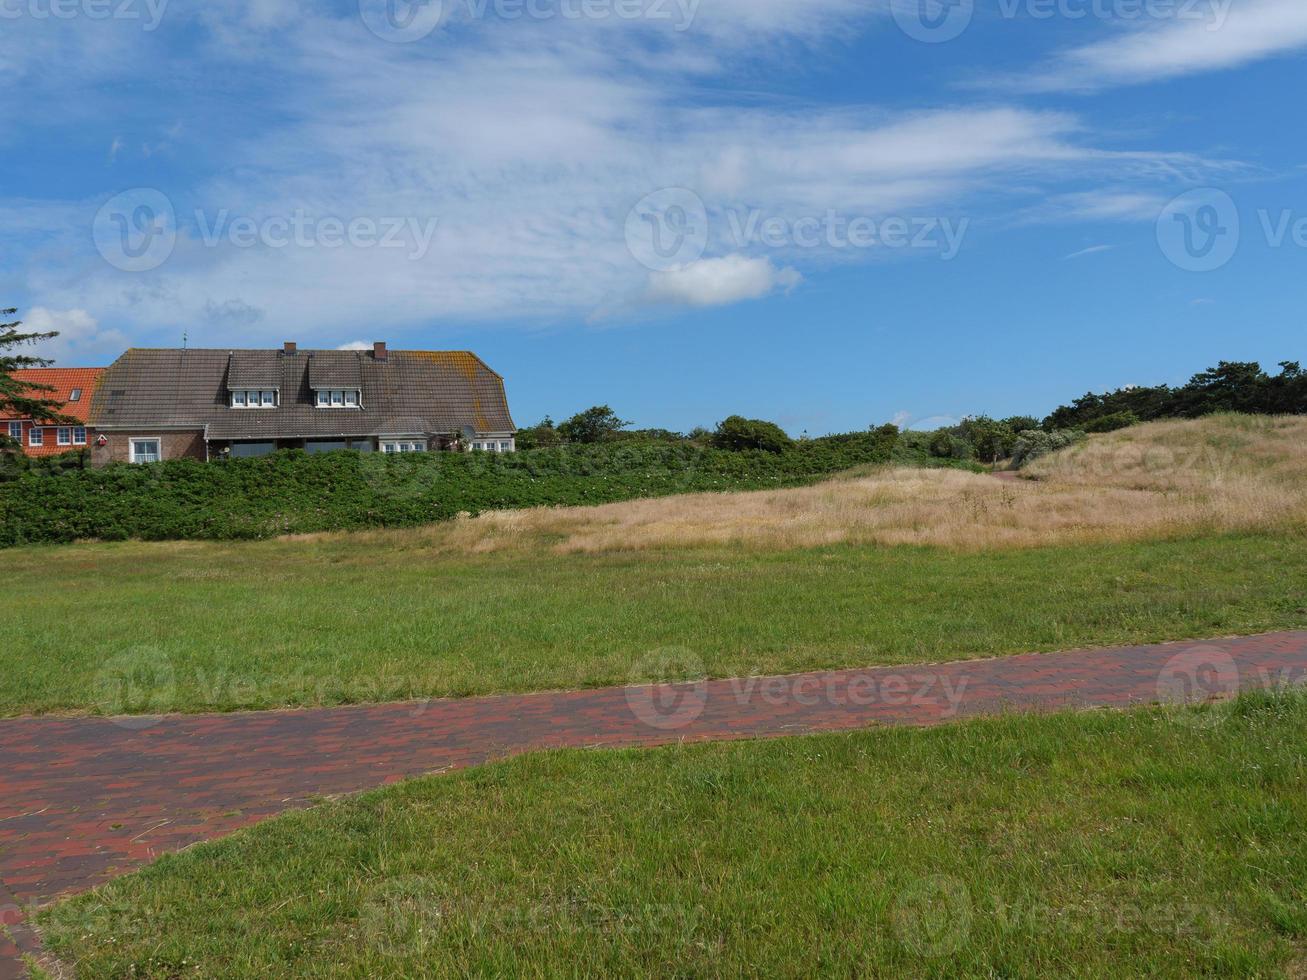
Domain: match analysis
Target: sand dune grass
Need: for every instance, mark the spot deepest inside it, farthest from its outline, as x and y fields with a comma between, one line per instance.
x=1222, y=473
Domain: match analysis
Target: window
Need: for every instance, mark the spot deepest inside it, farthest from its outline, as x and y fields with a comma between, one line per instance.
x=339, y=398
x=403, y=446
x=253, y=398
x=64, y=435
x=242, y=450
x=145, y=451
x=75, y=395
x=79, y=435
x=35, y=436
x=505, y=447
x=16, y=431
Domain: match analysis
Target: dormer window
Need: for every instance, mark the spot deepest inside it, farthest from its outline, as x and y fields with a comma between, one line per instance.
x=338, y=398
x=254, y=398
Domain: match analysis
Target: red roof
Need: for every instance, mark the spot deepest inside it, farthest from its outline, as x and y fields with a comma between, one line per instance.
x=64, y=381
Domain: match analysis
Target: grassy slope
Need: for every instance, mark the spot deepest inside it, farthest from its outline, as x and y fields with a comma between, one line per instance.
x=1150, y=843
x=222, y=626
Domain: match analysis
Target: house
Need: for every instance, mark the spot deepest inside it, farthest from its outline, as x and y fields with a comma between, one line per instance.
x=72, y=389
x=156, y=404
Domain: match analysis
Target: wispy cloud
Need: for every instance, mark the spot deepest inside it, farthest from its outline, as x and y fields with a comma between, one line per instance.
x=1091, y=250
x=1202, y=37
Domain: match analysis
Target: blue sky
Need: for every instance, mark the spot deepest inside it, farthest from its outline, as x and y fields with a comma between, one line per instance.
x=832, y=213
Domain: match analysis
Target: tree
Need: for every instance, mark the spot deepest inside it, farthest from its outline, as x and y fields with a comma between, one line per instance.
x=738, y=433
x=19, y=397
x=593, y=425
x=539, y=436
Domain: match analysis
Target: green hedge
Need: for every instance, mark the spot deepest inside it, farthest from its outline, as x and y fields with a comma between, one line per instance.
x=294, y=492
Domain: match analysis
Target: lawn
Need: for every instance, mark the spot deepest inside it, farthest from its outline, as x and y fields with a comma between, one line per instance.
x=1150, y=843
x=150, y=627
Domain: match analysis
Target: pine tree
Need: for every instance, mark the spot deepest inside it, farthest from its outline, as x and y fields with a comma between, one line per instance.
x=18, y=397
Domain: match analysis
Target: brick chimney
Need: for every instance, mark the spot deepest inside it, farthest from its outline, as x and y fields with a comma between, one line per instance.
x=288, y=347
x=379, y=350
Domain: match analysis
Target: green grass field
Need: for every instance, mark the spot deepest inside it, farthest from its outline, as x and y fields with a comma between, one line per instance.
x=219, y=626
x=1149, y=843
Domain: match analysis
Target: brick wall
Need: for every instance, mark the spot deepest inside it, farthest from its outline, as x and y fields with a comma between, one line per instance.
x=174, y=445
x=51, y=445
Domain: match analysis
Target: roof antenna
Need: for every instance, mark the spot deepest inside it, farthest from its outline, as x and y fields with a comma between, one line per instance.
x=183, y=340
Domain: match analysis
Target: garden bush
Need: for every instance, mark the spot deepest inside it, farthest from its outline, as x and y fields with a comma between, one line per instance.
x=1036, y=443
x=296, y=492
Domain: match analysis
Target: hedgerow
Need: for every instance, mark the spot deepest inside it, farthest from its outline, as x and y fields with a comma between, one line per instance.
x=294, y=492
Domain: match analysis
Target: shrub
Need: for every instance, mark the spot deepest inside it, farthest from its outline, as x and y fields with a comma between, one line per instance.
x=1110, y=423
x=737, y=433
x=1032, y=444
x=296, y=492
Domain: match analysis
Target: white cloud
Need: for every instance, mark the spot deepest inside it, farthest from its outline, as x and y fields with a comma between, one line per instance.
x=719, y=282
x=355, y=345
x=82, y=342
x=529, y=142
x=1091, y=250
x=1199, y=38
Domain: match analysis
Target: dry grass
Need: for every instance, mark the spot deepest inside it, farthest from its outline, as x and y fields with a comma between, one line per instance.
x=1222, y=473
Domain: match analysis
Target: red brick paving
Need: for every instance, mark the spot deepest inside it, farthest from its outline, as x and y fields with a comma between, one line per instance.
x=83, y=799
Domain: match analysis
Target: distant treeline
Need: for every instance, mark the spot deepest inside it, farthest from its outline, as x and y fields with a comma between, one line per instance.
x=1231, y=386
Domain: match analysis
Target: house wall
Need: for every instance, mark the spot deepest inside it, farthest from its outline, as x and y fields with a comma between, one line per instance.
x=174, y=445
x=51, y=433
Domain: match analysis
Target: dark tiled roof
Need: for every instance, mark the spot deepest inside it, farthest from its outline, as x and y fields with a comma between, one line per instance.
x=335, y=372
x=253, y=369
x=408, y=393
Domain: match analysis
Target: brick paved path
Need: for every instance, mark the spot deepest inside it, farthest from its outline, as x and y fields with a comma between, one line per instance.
x=82, y=799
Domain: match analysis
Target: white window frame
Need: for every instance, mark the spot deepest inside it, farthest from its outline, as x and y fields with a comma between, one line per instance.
x=79, y=435
x=16, y=431
x=131, y=449
x=75, y=395
x=36, y=437
x=255, y=398
x=393, y=446
x=338, y=398
x=63, y=435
